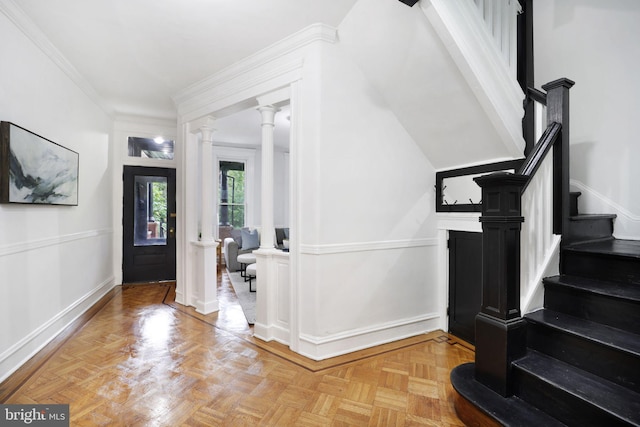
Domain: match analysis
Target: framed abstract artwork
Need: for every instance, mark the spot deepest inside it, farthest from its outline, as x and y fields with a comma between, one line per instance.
x=35, y=170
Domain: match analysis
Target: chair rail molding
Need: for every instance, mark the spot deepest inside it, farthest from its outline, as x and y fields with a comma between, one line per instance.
x=15, y=248
x=338, y=248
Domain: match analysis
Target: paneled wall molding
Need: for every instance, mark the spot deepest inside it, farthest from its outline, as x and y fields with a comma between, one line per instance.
x=320, y=348
x=16, y=355
x=51, y=241
x=21, y=21
x=383, y=245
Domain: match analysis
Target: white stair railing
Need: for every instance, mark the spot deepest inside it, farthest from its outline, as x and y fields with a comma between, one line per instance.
x=500, y=18
x=538, y=244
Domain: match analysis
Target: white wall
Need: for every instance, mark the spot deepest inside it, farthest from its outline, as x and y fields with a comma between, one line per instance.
x=596, y=44
x=411, y=71
x=367, y=229
x=55, y=261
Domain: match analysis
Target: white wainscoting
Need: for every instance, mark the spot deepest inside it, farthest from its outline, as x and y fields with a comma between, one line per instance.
x=48, y=283
x=359, y=295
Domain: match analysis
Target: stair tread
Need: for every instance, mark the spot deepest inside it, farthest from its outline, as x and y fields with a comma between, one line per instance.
x=509, y=411
x=602, y=393
x=585, y=217
x=602, y=287
x=607, y=335
x=618, y=247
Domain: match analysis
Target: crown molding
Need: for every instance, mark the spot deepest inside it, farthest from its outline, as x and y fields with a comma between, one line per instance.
x=228, y=80
x=20, y=19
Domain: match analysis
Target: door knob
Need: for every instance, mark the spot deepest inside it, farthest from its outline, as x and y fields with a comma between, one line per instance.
x=172, y=232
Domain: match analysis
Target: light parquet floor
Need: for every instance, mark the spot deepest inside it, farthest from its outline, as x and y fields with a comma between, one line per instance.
x=140, y=361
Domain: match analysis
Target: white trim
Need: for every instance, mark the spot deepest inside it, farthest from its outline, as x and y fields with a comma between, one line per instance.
x=29, y=29
x=272, y=332
x=320, y=348
x=339, y=248
x=16, y=355
x=51, y=241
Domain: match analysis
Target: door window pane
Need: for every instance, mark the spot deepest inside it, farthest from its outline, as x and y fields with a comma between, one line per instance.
x=150, y=211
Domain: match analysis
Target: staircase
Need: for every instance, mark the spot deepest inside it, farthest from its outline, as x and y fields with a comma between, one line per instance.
x=582, y=360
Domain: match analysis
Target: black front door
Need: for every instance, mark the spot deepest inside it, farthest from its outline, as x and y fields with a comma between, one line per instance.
x=465, y=283
x=149, y=223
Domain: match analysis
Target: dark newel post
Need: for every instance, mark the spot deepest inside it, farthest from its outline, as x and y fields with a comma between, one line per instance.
x=558, y=111
x=500, y=331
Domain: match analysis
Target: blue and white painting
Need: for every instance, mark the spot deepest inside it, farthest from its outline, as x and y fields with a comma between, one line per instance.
x=41, y=171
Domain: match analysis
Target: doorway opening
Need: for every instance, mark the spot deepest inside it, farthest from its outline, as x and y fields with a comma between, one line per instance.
x=149, y=221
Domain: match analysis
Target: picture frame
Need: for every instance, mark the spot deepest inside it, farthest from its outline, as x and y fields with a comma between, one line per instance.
x=36, y=170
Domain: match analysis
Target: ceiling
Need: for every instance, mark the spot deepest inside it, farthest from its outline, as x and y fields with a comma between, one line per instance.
x=137, y=54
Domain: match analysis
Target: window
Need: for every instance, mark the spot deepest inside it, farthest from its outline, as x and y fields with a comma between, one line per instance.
x=150, y=211
x=231, y=190
x=151, y=148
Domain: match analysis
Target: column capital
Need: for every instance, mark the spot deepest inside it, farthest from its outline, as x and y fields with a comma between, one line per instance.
x=268, y=113
x=203, y=125
x=207, y=134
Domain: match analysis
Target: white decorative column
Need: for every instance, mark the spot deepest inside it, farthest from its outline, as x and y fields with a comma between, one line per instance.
x=268, y=113
x=265, y=283
x=206, y=266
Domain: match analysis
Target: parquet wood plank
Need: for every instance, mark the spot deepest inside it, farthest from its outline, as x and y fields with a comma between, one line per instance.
x=141, y=361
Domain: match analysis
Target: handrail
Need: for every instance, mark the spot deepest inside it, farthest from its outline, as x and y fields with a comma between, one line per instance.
x=535, y=158
x=499, y=323
x=537, y=95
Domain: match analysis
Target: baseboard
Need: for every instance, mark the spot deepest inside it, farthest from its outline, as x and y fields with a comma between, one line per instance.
x=18, y=354
x=271, y=333
x=320, y=348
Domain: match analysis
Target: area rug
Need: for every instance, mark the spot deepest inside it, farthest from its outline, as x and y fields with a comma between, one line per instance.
x=246, y=299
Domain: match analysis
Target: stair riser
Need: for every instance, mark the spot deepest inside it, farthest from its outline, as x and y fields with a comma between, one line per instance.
x=590, y=229
x=562, y=405
x=611, y=268
x=616, y=312
x=605, y=361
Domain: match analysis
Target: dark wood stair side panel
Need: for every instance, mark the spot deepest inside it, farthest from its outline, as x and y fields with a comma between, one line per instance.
x=573, y=203
x=610, y=260
x=608, y=303
x=506, y=411
x=572, y=396
x=590, y=227
x=604, y=351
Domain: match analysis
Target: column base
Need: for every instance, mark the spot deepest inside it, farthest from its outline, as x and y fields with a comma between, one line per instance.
x=498, y=343
x=206, y=277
